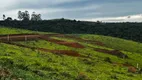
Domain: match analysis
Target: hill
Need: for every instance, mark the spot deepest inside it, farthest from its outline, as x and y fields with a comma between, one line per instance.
x=129, y=31
x=32, y=55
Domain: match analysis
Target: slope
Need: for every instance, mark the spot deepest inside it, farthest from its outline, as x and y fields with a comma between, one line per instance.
x=105, y=58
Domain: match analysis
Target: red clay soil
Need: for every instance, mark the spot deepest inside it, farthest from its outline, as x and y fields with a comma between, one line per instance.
x=99, y=43
x=131, y=68
x=70, y=44
x=63, y=52
x=27, y=37
x=19, y=37
x=112, y=52
x=82, y=40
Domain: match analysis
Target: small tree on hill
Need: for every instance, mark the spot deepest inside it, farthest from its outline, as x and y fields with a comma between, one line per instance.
x=24, y=15
x=4, y=17
x=35, y=17
x=20, y=15
x=8, y=19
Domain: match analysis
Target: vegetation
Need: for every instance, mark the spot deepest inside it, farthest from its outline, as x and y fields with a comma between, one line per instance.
x=31, y=64
x=24, y=15
x=129, y=31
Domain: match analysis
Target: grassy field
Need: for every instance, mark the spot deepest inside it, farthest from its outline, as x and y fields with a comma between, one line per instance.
x=21, y=63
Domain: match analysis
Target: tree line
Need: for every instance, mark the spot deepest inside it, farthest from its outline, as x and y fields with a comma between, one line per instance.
x=130, y=31
x=24, y=16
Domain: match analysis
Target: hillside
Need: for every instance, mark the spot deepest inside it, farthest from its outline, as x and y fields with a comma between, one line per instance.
x=32, y=55
x=126, y=30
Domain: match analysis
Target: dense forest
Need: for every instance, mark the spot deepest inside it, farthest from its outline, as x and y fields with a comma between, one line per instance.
x=130, y=31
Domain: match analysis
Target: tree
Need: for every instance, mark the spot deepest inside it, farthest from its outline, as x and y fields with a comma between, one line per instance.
x=20, y=15
x=4, y=17
x=8, y=19
x=35, y=17
x=24, y=15
x=39, y=17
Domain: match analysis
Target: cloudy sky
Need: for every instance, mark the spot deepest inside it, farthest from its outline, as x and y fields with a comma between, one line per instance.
x=91, y=10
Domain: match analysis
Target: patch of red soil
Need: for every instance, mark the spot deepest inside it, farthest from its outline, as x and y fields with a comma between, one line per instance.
x=82, y=40
x=63, y=52
x=99, y=43
x=18, y=37
x=70, y=44
x=27, y=37
x=131, y=68
x=112, y=52
x=23, y=37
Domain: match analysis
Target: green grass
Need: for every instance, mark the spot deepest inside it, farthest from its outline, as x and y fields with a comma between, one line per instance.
x=5, y=30
x=30, y=64
x=45, y=44
x=116, y=43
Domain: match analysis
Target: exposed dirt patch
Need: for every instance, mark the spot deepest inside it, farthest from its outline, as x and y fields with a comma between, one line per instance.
x=19, y=37
x=63, y=52
x=70, y=44
x=99, y=43
x=27, y=37
x=82, y=40
x=4, y=73
x=131, y=68
x=112, y=52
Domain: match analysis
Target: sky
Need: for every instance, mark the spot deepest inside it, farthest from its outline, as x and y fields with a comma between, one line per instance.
x=88, y=10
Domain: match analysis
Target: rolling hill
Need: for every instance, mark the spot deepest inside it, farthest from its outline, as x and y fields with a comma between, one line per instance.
x=31, y=55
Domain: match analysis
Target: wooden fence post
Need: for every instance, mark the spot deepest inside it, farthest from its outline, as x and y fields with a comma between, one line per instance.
x=25, y=38
x=8, y=38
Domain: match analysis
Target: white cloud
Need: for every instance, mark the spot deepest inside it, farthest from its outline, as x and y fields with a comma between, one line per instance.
x=4, y=4
x=129, y=18
x=92, y=12
x=50, y=12
x=48, y=2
